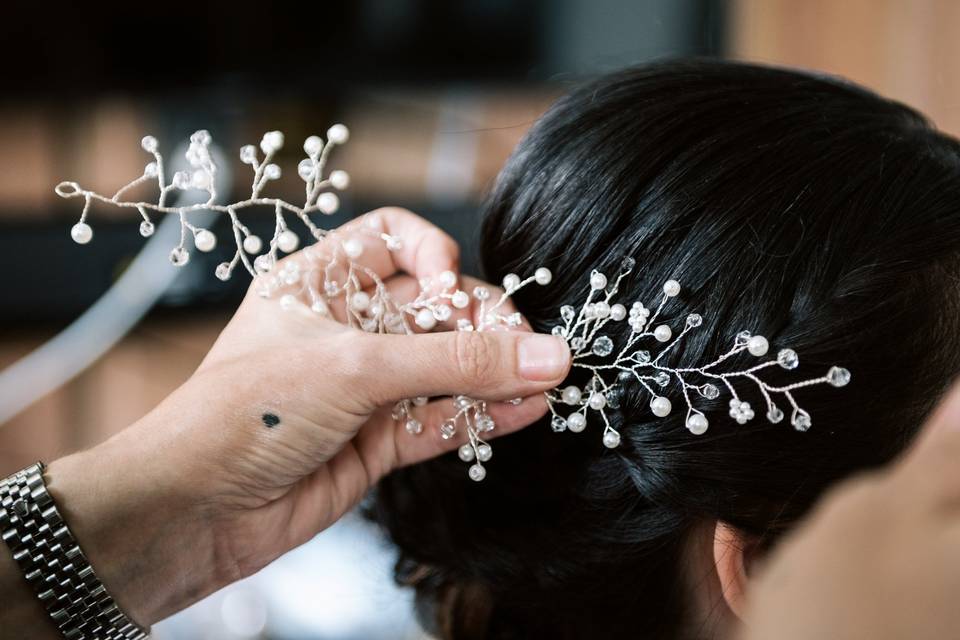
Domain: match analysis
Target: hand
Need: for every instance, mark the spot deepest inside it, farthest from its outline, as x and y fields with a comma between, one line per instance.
x=206, y=489
x=880, y=558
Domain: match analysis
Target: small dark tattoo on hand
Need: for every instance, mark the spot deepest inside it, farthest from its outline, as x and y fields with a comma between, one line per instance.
x=270, y=420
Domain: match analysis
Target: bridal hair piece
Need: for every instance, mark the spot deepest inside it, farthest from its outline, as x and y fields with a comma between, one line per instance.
x=312, y=279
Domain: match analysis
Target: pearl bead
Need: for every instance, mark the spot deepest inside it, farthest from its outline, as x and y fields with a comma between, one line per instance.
x=662, y=333
x=543, y=276
x=618, y=312
x=576, y=422
x=328, y=203
x=484, y=453
x=81, y=233
x=181, y=180
x=205, y=240
x=353, y=248
x=340, y=179
x=338, y=134
x=597, y=401
x=252, y=244
x=425, y=319
x=360, y=301
x=420, y=401
x=511, y=281
x=222, y=271
x=671, y=288
x=149, y=144
x=466, y=453
x=272, y=141
x=660, y=406
x=447, y=279
x=611, y=439
x=272, y=171
x=697, y=424
x=571, y=395
x=320, y=307
x=758, y=346
x=598, y=280
x=288, y=241
x=312, y=145
x=460, y=299
x=601, y=310
x=201, y=180
x=477, y=473
x=414, y=426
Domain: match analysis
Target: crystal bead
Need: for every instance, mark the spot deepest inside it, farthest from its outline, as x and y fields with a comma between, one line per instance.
x=567, y=313
x=694, y=320
x=742, y=338
x=477, y=472
x=709, y=391
x=448, y=429
x=801, y=420
x=263, y=264
x=481, y=293
x=577, y=343
x=306, y=169
x=485, y=423
x=272, y=171
x=838, y=376
x=662, y=378
x=146, y=228
x=223, y=271
x=558, y=424
x=611, y=439
x=179, y=257
x=149, y=144
x=787, y=358
x=602, y=346
x=774, y=414
x=464, y=325
x=559, y=331
x=627, y=264
x=625, y=376
x=151, y=170
x=642, y=356
x=614, y=396
x=442, y=312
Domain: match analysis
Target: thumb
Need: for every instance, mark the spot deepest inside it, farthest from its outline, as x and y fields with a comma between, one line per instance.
x=495, y=365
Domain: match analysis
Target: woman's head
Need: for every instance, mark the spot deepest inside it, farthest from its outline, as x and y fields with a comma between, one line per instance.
x=798, y=207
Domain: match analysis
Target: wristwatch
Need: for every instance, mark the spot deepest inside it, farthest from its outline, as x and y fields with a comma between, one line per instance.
x=54, y=565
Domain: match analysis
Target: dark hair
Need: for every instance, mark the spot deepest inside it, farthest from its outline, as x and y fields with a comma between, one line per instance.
x=799, y=207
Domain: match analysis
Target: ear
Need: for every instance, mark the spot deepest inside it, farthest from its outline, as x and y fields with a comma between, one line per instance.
x=731, y=551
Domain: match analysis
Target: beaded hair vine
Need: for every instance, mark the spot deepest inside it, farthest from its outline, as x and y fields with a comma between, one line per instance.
x=311, y=279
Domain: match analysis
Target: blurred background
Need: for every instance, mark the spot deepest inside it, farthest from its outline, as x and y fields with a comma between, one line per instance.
x=436, y=94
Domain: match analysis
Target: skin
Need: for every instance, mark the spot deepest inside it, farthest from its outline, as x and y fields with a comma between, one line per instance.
x=202, y=491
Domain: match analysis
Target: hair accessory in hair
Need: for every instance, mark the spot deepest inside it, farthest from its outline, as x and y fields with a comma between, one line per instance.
x=313, y=279
x=641, y=358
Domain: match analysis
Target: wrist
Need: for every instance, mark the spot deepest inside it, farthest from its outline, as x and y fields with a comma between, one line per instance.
x=146, y=541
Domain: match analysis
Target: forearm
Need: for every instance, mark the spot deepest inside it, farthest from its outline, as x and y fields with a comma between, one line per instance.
x=147, y=542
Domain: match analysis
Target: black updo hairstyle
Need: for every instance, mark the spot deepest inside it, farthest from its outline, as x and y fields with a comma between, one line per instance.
x=799, y=207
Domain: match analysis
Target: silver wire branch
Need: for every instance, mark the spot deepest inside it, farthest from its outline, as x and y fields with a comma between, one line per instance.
x=610, y=369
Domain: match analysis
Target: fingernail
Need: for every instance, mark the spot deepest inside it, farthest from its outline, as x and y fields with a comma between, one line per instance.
x=542, y=358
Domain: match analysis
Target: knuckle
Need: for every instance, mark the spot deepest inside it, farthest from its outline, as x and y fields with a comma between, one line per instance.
x=475, y=356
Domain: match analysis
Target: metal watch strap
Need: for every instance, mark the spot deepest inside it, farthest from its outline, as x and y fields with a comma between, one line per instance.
x=54, y=565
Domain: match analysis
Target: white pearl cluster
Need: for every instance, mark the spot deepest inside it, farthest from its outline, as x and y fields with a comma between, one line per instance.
x=320, y=197
x=594, y=352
